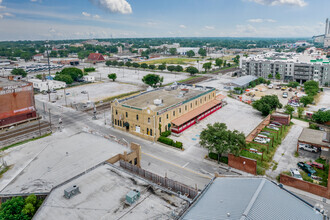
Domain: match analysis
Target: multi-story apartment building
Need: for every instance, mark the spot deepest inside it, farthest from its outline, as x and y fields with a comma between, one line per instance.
x=174, y=108
x=291, y=67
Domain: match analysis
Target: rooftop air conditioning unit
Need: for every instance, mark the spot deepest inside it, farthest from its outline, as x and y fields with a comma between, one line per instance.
x=132, y=196
x=158, y=101
x=71, y=191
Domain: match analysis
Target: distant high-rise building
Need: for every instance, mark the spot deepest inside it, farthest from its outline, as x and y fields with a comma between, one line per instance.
x=327, y=34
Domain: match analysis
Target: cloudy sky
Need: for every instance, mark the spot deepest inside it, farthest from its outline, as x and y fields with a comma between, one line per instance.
x=77, y=19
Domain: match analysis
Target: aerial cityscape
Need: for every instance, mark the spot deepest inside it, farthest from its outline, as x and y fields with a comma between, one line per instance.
x=183, y=110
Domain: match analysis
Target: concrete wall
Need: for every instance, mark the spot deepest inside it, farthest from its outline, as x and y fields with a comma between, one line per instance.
x=243, y=163
x=306, y=186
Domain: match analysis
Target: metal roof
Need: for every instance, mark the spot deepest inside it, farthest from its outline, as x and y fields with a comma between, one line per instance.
x=241, y=81
x=250, y=199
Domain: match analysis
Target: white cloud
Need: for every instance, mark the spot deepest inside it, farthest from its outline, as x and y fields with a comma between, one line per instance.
x=209, y=27
x=182, y=26
x=1, y=7
x=260, y=20
x=151, y=23
x=97, y=16
x=114, y=6
x=6, y=14
x=300, y=3
x=86, y=14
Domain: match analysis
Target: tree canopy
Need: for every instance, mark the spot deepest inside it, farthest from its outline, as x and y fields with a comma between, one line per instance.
x=112, y=76
x=207, y=66
x=202, y=52
x=217, y=139
x=173, y=51
x=306, y=100
x=19, y=72
x=311, y=87
x=267, y=104
x=219, y=62
x=75, y=73
x=321, y=117
x=192, y=70
x=190, y=53
x=152, y=79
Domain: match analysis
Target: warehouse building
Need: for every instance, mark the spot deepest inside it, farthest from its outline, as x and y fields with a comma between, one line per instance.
x=290, y=66
x=16, y=101
x=174, y=108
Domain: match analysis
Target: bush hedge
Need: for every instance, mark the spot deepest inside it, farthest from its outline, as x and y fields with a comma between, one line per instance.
x=170, y=142
x=214, y=156
x=165, y=134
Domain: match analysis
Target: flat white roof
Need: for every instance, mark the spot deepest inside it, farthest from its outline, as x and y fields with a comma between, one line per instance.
x=102, y=196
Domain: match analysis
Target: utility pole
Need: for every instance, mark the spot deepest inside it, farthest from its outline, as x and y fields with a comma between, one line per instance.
x=50, y=120
x=48, y=71
x=66, y=103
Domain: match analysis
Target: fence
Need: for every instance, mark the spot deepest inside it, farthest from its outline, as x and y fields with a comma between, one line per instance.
x=172, y=185
x=257, y=130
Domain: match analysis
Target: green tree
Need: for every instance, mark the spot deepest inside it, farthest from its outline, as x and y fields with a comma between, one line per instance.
x=31, y=199
x=162, y=67
x=28, y=210
x=128, y=64
x=179, y=68
x=144, y=65
x=236, y=59
x=321, y=117
x=293, y=84
x=112, y=76
x=300, y=49
x=121, y=63
x=207, y=66
x=19, y=72
x=64, y=78
x=307, y=100
x=152, y=67
x=171, y=68
x=219, y=62
x=136, y=65
x=190, y=53
x=289, y=109
x=311, y=87
x=300, y=111
x=151, y=79
x=270, y=76
x=53, y=53
x=267, y=104
x=39, y=76
x=217, y=139
x=192, y=70
x=202, y=52
x=75, y=73
x=278, y=76
x=173, y=51
x=12, y=209
x=115, y=63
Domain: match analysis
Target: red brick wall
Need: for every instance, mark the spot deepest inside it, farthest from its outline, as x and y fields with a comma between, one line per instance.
x=306, y=186
x=281, y=119
x=243, y=163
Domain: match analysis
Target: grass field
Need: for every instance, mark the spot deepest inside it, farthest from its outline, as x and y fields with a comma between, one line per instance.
x=171, y=61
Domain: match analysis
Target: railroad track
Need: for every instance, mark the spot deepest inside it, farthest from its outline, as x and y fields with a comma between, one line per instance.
x=104, y=106
x=22, y=131
x=197, y=80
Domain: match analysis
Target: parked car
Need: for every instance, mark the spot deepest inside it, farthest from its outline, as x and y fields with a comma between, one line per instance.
x=264, y=137
x=308, y=147
x=294, y=104
x=265, y=133
x=260, y=140
x=305, y=167
x=273, y=128
x=270, y=86
x=84, y=92
x=278, y=87
x=290, y=89
x=255, y=151
x=276, y=123
x=316, y=165
x=285, y=95
x=295, y=173
x=284, y=88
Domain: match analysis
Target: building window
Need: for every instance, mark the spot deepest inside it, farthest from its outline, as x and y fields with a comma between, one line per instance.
x=116, y=112
x=179, y=110
x=209, y=96
x=120, y=123
x=200, y=101
x=196, y=102
x=115, y=121
x=213, y=94
x=190, y=105
x=126, y=114
x=150, y=132
x=148, y=120
x=166, y=116
x=147, y=131
x=185, y=108
x=205, y=99
x=160, y=119
x=173, y=113
x=137, y=117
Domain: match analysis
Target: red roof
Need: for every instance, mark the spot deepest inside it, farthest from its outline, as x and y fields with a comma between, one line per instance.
x=194, y=113
x=96, y=57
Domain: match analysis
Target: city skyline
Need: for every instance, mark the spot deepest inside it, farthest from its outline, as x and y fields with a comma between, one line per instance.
x=43, y=19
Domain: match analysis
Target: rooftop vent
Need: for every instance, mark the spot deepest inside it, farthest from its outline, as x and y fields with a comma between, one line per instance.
x=132, y=196
x=71, y=191
x=158, y=101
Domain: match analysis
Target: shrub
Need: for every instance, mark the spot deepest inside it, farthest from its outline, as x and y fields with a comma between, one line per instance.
x=178, y=144
x=314, y=126
x=165, y=134
x=166, y=140
x=214, y=156
x=89, y=69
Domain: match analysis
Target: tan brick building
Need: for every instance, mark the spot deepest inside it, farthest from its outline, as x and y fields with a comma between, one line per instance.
x=174, y=108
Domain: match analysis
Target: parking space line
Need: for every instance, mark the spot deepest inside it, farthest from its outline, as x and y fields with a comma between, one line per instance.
x=185, y=165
